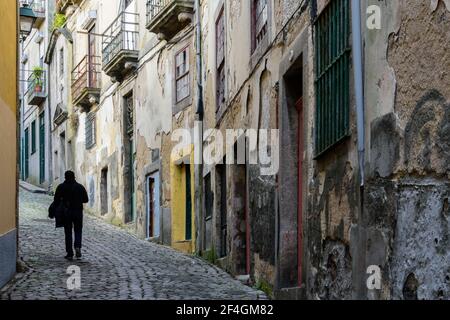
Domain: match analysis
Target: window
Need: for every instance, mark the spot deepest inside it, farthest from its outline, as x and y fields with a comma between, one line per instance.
x=332, y=57
x=41, y=54
x=220, y=60
x=259, y=22
x=129, y=105
x=182, y=75
x=33, y=137
x=127, y=3
x=61, y=62
x=90, y=130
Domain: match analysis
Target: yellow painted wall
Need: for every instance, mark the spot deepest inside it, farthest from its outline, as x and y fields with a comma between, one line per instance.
x=8, y=107
x=178, y=201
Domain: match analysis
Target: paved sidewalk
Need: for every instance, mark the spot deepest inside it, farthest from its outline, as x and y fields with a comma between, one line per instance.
x=116, y=265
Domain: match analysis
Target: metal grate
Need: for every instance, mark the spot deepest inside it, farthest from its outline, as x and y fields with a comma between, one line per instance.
x=332, y=35
x=129, y=104
x=90, y=130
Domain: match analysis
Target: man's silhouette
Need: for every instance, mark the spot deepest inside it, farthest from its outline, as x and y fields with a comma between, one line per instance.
x=72, y=195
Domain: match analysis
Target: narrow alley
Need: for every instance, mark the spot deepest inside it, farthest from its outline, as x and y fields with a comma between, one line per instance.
x=115, y=265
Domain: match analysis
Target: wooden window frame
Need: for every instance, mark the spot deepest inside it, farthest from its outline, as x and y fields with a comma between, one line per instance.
x=220, y=61
x=262, y=34
x=186, y=74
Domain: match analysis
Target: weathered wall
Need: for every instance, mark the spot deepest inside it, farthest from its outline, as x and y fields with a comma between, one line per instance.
x=407, y=194
x=8, y=138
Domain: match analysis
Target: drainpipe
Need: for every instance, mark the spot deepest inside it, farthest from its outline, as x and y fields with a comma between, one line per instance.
x=199, y=113
x=359, y=84
x=198, y=48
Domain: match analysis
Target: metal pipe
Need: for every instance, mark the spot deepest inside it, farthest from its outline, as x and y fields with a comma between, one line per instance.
x=199, y=144
x=359, y=84
x=198, y=47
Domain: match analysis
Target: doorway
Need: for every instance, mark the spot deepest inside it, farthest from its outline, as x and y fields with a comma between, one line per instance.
x=42, y=148
x=62, y=154
x=188, y=202
x=130, y=154
x=222, y=221
x=27, y=154
x=153, y=206
x=291, y=179
x=104, y=191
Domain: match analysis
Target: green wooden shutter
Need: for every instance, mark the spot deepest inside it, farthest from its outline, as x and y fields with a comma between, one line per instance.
x=188, y=203
x=33, y=137
x=332, y=55
x=42, y=148
x=27, y=154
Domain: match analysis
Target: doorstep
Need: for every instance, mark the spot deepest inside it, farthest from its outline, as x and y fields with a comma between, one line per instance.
x=31, y=188
x=296, y=293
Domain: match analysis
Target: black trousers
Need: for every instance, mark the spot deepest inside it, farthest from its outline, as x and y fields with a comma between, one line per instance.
x=75, y=225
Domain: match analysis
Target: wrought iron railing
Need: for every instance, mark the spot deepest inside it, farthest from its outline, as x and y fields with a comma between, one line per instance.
x=37, y=84
x=121, y=35
x=86, y=75
x=154, y=7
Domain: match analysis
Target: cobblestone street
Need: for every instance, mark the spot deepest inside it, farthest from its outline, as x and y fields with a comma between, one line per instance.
x=115, y=264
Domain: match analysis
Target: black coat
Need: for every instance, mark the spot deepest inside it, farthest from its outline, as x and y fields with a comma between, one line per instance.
x=69, y=199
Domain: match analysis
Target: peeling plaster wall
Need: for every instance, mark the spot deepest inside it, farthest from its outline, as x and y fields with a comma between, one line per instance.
x=407, y=96
x=251, y=102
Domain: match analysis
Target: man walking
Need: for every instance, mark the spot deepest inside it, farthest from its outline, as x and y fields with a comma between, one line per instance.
x=72, y=196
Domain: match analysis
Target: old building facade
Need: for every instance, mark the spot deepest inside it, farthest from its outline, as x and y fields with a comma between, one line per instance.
x=356, y=176
x=35, y=104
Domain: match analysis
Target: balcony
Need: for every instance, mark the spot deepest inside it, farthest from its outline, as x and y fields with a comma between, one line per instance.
x=168, y=17
x=38, y=7
x=120, y=46
x=62, y=6
x=37, y=88
x=86, y=82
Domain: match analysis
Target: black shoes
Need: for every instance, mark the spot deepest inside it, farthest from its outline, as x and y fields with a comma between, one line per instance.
x=69, y=257
x=78, y=253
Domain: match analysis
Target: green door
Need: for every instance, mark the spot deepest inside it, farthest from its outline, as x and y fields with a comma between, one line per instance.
x=188, y=203
x=26, y=152
x=41, y=148
x=132, y=182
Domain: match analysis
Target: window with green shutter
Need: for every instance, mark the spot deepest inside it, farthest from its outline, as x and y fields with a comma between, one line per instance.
x=333, y=60
x=33, y=137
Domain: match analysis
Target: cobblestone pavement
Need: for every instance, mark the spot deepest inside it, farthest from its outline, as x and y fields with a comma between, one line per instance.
x=115, y=265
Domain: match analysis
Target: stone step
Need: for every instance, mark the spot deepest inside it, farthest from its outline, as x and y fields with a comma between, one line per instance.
x=31, y=188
